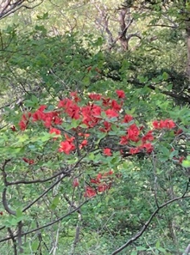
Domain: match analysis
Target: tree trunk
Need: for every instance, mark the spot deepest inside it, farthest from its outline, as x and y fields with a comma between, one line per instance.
x=188, y=48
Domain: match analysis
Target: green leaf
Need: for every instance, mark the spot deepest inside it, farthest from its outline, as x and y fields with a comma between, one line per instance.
x=35, y=245
x=55, y=202
x=186, y=163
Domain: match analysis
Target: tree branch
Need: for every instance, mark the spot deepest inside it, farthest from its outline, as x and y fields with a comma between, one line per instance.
x=47, y=225
x=145, y=226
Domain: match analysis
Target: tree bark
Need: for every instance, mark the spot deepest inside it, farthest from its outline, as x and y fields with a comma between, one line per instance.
x=188, y=48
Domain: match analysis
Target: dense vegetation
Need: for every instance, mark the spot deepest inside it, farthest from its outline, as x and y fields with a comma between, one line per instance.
x=95, y=127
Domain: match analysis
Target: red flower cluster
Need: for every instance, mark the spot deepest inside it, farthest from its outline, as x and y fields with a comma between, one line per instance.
x=102, y=113
x=100, y=184
x=68, y=145
x=167, y=124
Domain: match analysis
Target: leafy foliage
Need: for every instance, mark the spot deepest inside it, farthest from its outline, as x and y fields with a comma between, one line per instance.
x=85, y=169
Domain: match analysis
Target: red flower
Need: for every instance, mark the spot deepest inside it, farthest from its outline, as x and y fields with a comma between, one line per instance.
x=148, y=137
x=55, y=131
x=96, y=110
x=134, y=150
x=178, y=132
x=75, y=182
x=89, y=192
x=181, y=159
x=127, y=118
x=70, y=108
x=29, y=161
x=57, y=120
x=102, y=187
x=107, y=127
x=168, y=124
x=111, y=113
x=22, y=125
x=107, y=152
x=124, y=140
x=90, y=115
x=106, y=101
x=42, y=108
x=24, y=121
x=66, y=147
x=75, y=96
x=95, y=181
x=95, y=97
x=115, y=105
x=148, y=147
x=99, y=177
x=13, y=128
x=133, y=133
x=83, y=144
x=120, y=93
x=110, y=172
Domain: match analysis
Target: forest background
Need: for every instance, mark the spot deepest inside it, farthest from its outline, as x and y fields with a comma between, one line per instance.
x=94, y=127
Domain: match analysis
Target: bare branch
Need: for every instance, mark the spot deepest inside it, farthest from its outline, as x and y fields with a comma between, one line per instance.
x=187, y=250
x=145, y=226
x=8, y=7
x=47, y=225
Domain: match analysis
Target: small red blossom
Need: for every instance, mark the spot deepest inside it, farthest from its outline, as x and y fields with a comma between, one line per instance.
x=57, y=120
x=22, y=125
x=29, y=161
x=1, y=213
x=107, y=127
x=89, y=192
x=99, y=176
x=106, y=101
x=42, y=108
x=95, y=181
x=110, y=172
x=127, y=118
x=66, y=147
x=148, y=137
x=95, y=97
x=124, y=140
x=178, y=132
x=13, y=128
x=103, y=187
x=115, y=105
x=75, y=182
x=133, y=133
x=111, y=113
x=181, y=159
x=120, y=93
x=83, y=144
x=134, y=150
x=24, y=121
x=75, y=96
x=148, y=147
x=55, y=131
x=107, y=152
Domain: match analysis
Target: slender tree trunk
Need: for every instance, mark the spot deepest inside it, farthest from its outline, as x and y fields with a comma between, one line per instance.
x=188, y=48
